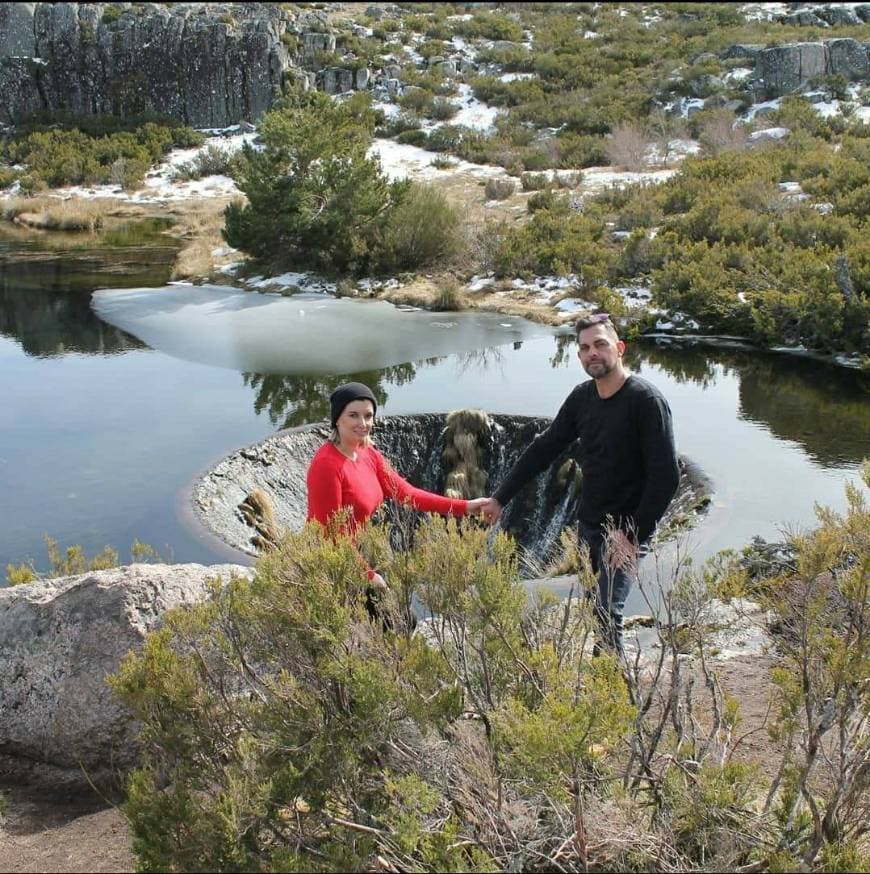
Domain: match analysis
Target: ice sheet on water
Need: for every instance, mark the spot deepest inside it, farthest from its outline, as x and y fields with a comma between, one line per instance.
x=306, y=333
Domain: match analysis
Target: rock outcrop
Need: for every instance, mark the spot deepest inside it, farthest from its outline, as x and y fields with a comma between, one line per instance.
x=60, y=638
x=785, y=69
x=206, y=65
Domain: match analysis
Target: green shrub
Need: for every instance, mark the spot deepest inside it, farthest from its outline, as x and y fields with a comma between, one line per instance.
x=73, y=157
x=443, y=162
x=213, y=161
x=285, y=731
x=535, y=181
x=498, y=188
x=111, y=13
x=413, y=137
x=423, y=230
x=489, y=25
x=416, y=99
x=442, y=110
x=449, y=297
x=544, y=199
x=559, y=241
x=74, y=560
x=314, y=198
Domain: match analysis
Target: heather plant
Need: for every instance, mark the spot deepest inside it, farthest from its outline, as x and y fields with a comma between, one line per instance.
x=285, y=728
x=212, y=161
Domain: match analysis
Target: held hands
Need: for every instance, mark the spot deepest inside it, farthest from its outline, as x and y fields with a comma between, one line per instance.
x=488, y=508
x=377, y=581
x=621, y=551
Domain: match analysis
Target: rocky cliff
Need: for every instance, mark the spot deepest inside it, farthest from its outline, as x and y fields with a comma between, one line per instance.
x=190, y=61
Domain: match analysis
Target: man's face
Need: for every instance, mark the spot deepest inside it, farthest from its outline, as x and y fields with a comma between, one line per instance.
x=599, y=353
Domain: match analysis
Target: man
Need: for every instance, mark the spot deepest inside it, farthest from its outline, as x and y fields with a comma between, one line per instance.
x=629, y=466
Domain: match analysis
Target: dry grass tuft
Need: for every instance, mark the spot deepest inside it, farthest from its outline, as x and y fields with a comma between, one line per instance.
x=54, y=214
x=199, y=228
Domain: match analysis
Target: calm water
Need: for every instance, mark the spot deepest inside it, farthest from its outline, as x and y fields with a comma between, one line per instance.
x=110, y=404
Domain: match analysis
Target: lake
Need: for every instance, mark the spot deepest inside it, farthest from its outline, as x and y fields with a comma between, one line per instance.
x=112, y=402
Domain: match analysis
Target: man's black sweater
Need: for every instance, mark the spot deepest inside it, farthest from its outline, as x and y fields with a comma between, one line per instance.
x=627, y=455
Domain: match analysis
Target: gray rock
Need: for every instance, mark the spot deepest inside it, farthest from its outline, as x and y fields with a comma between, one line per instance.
x=317, y=42
x=742, y=50
x=61, y=638
x=784, y=69
x=863, y=11
x=190, y=66
x=328, y=80
x=448, y=68
x=848, y=58
x=393, y=86
x=704, y=86
x=804, y=18
x=393, y=71
x=375, y=12
x=16, y=30
x=361, y=79
x=338, y=80
x=837, y=15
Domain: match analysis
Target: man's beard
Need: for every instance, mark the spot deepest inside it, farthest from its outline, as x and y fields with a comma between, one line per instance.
x=599, y=369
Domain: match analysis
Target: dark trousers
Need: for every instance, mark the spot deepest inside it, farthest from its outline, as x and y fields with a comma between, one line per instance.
x=614, y=585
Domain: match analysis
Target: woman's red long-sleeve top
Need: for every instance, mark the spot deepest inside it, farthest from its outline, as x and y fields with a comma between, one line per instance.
x=335, y=481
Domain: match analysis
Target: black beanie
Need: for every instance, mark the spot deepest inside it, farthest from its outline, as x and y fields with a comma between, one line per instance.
x=344, y=394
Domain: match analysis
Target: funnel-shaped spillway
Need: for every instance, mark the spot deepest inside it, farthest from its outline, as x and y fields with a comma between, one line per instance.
x=415, y=445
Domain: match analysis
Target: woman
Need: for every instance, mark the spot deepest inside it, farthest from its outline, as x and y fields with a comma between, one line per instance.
x=347, y=471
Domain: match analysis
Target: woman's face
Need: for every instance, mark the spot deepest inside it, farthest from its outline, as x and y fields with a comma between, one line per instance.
x=355, y=422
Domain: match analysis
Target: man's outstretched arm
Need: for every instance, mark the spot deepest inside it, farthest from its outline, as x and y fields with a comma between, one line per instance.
x=538, y=456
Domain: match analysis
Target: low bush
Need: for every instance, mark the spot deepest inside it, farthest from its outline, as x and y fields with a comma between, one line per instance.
x=558, y=240
x=212, y=161
x=443, y=162
x=73, y=560
x=424, y=229
x=544, y=199
x=499, y=188
x=535, y=181
x=442, y=110
x=413, y=137
x=449, y=298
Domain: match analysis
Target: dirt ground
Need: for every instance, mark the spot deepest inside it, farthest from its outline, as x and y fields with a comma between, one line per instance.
x=80, y=832
x=51, y=832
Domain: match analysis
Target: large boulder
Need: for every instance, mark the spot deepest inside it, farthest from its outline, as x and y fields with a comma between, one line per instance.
x=785, y=69
x=60, y=639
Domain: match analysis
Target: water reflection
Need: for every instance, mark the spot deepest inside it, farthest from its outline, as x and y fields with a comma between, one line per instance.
x=46, y=282
x=296, y=400
x=822, y=408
